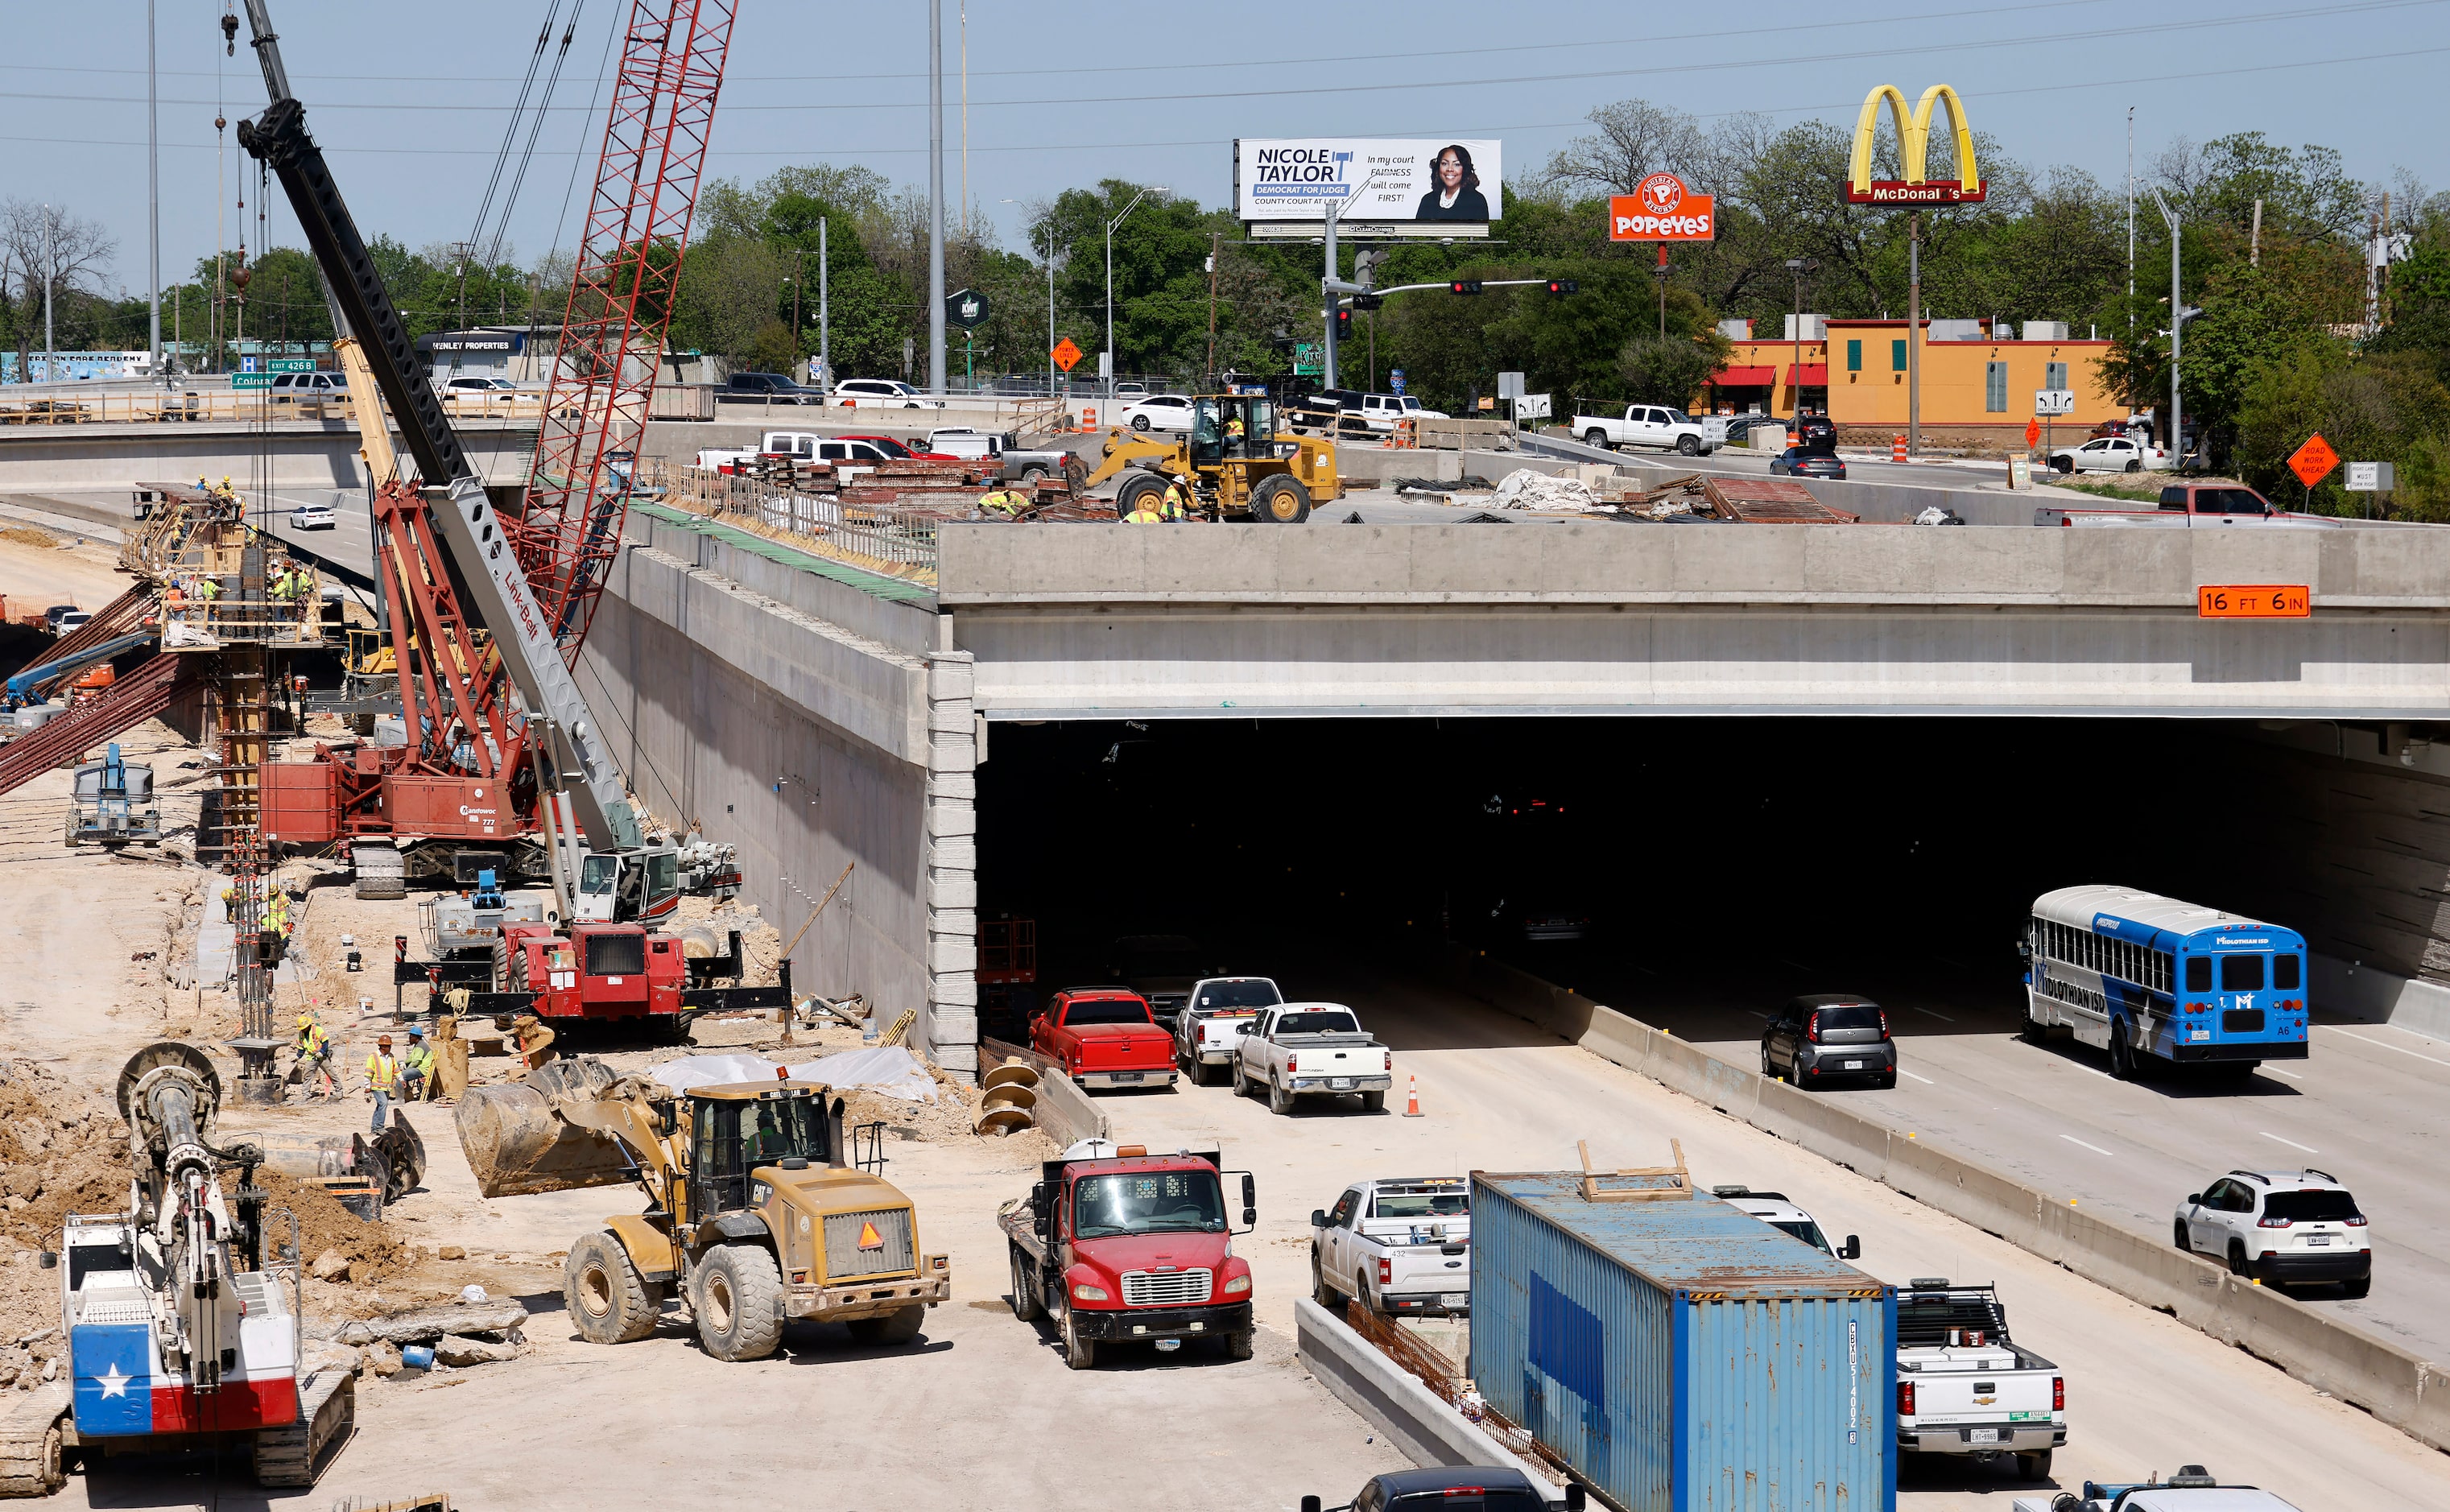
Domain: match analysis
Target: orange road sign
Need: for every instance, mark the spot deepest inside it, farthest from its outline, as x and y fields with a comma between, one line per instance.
x=2314, y=460
x=2033, y=433
x=1065, y=354
x=2254, y=601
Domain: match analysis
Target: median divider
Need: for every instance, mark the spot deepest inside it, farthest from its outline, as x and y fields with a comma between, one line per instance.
x=1067, y=1114
x=1423, y=1424
x=2411, y=1394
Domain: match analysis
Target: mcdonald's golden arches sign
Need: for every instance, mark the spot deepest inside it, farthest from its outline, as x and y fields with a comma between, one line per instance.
x=1913, y=142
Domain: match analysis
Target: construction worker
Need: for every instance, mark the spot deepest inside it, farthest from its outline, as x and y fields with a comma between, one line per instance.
x=1145, y=509
x=275, y=936
x=1005, y=501
x=284, y=585
x=417, y=1083
x=1233, y=426
x=315, y=1058
x=382, y=1079
x=1176, y=505
x=174, y=602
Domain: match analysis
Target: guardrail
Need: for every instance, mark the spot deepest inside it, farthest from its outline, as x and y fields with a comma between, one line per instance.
x=158, y=406
x=2410, y=1394
x=885, y=538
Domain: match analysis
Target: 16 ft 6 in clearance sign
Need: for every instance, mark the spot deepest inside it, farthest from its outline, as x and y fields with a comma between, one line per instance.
x=1662, y=209
x=1914, y=143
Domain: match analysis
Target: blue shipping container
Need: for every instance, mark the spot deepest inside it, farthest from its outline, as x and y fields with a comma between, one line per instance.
x=1681, y=1355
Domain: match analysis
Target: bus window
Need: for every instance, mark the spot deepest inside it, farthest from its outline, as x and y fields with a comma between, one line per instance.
x=2285, y=973
x=2240, y=974
x=2199, y=974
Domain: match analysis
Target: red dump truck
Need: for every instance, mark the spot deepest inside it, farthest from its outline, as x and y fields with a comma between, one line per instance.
x=1105, y=1036
x=1117, y=1246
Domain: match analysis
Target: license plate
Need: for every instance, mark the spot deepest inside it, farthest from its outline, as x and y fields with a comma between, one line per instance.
x=1982, y=1435
x=2318, y=1240
x=1340, y=1083
x=1854, y=1065
x=1455, y=1299
x=1127, y=1076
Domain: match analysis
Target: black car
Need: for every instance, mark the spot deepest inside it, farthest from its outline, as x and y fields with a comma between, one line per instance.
x=765, y=387
x=1801, y=461
x=1162, y=968
x=1453, y=1488
x=1830, y=1037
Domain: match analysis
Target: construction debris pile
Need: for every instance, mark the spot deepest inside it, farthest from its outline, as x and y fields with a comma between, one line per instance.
x=58, y=1154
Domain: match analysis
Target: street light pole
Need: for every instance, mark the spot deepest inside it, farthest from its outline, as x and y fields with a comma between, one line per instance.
x=2179, y=315
x=153, y=188
x=824, y=326
x=1110, y=286
x=1798, y=266
x=935, y=196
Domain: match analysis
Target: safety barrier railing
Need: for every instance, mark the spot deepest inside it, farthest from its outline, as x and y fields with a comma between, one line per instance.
x=152, y=406
x=885, y=538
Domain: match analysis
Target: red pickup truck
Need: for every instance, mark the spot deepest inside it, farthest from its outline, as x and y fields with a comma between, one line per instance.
x=1119, y=1246
x=1105, y=1036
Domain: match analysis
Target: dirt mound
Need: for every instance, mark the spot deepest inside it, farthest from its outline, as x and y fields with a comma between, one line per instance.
x=60, y=1152
x=761, y=946
x=374, y=1251
x=950, y=1119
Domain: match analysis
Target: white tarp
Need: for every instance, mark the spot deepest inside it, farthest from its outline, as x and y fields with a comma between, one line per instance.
x=1524, y=488
x=887, y=1069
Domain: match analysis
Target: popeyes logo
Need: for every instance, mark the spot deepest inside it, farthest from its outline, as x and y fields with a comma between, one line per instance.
x=1661, y=209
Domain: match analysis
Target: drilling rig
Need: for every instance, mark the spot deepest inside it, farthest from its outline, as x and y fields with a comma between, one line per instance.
x=179, y=1337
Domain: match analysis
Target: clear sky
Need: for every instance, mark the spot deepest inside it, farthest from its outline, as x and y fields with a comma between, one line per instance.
x=411, y=99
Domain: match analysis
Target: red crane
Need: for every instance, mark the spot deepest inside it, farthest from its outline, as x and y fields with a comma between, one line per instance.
x=621, y=296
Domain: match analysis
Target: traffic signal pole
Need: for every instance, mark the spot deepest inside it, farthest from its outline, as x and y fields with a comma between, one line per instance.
x=1329, y=286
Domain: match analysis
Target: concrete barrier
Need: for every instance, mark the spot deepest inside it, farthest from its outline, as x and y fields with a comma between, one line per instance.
x=1415, y=1419
x=1067, y=1114
x=2378, y=996
x=2412, y=1395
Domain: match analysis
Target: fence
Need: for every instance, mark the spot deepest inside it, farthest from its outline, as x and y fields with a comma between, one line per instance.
x=882, y=537
x=152, y=406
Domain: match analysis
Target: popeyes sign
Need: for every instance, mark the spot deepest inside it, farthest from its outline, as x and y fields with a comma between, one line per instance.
x=1662, y=209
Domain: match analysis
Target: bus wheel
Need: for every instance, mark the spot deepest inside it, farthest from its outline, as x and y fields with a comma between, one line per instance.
x=2122, y=1054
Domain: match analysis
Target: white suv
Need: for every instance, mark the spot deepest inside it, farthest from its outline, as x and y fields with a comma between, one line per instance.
x=1772, y=1209
x=2281, y=1227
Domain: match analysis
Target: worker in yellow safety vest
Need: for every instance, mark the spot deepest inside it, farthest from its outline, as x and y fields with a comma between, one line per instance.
x=314, y=1048
x=383, y=1080
x=284, y=585
x=416, y=1084
x=1176, y=507
x=1145, y=509
x=1233, y=427
x=1005, y=501
x=275, y=935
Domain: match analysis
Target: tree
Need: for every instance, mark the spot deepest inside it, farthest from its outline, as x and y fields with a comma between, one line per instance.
x=46, y=246
x=2390, y=407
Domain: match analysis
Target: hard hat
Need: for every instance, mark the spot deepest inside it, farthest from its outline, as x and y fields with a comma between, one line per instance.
x=305, y=1019
x=383, y=1041
x=416, y=1032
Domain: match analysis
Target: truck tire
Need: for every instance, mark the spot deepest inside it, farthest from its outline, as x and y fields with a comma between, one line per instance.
x=1320, y=1292
x=1242, y=1082
x=609, y=1302
x=1595, y=436
x=1027, y=1303
x=739, y=1296
x=899, y=1327
x=1138, y=485
x=1373, y=1102
x=1689, y=446
x=1237, y=1346
x=2034, y=1466
x=1280, y=1101
x=1078, y=1353
x=1033, y=474
x=1279, y=500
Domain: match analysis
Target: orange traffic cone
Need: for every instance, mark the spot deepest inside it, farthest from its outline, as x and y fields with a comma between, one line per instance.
x=1412, y=1099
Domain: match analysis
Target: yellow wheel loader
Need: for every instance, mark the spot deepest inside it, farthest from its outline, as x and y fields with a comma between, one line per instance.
x=1233, y=461
x=752, y=1216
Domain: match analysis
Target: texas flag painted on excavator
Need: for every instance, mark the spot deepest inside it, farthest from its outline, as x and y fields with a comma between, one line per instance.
x=120, y=1393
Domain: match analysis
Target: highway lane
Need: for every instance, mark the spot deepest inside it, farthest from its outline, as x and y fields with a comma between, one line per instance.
x=2366, y=1106
x=2145, y=1393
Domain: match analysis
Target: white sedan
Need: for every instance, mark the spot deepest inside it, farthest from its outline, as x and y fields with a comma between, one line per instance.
x=2111, y=454
x=312, y=518
x=1158, y=412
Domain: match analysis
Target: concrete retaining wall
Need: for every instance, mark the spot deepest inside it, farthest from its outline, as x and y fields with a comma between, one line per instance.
x=1415, y=1419
x=2408, y=1393
x=2378, y=996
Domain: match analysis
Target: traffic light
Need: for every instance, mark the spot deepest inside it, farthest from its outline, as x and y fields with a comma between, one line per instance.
x=1464, y=287
x=1344, y=325
x=1563, y=287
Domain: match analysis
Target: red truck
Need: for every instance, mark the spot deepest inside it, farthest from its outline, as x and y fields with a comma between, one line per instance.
x=1105, y=1036
x=1119, y=1246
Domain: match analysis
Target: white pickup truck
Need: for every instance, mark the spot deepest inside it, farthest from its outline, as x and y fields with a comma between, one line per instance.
x=1650, y=425
x=1964, y=1388
x=1310, y=1048
x=2190, y=1490
x=1399, y=1247
x=1208, y=1028
x=850, y=457
x=1014, y=462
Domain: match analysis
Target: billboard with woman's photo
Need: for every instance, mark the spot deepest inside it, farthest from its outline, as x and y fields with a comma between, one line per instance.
x=1283, y=186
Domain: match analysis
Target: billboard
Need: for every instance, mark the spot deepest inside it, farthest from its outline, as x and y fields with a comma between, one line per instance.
x=1379, y=186
x=1662, y=209
x=1913, y=151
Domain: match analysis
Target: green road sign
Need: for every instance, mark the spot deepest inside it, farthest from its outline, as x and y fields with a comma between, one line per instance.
x=1307, y=362
x=250, y=381
x=290, y=364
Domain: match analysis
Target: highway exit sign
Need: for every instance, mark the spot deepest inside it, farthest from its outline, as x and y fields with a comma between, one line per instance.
x=1065, y=354
x=2314, y=460
x=290, y=364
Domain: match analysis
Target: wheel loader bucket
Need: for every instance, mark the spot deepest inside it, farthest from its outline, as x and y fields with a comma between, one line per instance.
x=519, y=1141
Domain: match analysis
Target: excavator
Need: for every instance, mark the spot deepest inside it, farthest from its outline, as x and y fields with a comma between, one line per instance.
x=1233, y=460
x=179, y=1337
x=754, y=1217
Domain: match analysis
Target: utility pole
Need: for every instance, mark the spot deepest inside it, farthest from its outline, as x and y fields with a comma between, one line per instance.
x=50, y=276
x=825, y=328
x=1108, y=361
x=1798, y=266
x=2179, y=316
x=153, y=189
x=1326, y=287
x=935, y=196
x=1216, y=249
x=2131, y=258
x=1913, y=333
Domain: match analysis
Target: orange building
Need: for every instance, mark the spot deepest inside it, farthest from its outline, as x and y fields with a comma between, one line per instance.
x=1977, y=392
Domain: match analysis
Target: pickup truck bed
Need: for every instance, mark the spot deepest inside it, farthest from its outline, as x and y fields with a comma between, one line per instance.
x=1964, y=1388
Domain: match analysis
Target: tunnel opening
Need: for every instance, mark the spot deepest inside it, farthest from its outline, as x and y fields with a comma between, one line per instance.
x=1665, y=867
